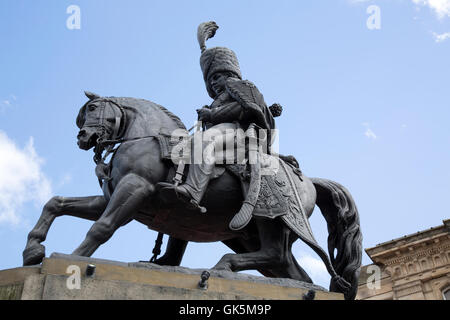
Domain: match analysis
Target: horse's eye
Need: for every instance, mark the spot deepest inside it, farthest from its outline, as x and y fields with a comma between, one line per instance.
x=91, y=108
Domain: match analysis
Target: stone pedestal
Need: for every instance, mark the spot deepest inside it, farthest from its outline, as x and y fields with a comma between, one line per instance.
x=67, y=277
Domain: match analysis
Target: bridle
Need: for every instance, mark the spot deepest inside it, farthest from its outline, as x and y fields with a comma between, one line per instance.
x=103, y=129
x=117, y=137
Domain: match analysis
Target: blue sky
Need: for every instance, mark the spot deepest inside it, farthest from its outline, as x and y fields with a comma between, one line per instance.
x=366, y=108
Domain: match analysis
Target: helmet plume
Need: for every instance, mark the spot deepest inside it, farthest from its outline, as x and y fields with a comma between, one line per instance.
x=205, y=31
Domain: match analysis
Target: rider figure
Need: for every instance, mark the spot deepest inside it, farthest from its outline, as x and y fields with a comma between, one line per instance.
x=237, y=104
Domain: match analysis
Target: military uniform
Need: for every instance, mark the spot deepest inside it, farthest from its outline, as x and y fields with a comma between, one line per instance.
x=237, y=107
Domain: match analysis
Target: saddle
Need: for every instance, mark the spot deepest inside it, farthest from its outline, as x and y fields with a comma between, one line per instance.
x=166, y=146
x=267, y=186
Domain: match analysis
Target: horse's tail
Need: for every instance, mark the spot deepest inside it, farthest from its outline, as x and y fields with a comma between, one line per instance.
x=345, y=236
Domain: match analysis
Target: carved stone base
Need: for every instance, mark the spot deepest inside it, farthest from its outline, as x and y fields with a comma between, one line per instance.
x=58, y=278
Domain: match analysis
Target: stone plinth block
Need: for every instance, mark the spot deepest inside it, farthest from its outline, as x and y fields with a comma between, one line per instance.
x=79, y=278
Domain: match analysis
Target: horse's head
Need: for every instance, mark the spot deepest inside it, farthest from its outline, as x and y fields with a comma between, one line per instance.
x=99, y=119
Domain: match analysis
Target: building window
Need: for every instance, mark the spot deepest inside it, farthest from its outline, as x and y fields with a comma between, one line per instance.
x=446, y=293
x=411, y=268
x=437, y=261
x=424, y=264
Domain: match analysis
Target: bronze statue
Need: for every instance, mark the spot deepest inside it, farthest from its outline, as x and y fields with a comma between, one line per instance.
x=258, y=216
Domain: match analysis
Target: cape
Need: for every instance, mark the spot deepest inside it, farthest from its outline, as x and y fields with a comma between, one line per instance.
x=246, y=93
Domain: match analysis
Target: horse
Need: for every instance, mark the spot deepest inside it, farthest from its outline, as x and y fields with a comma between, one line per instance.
x=129, y=185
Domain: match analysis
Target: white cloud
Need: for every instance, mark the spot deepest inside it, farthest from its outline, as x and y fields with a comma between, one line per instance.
x=8, y=102
x=21, y=179
x=65, y=179
x=369, y=133
x=315, y=268
x=441, y=37
x=441, y=7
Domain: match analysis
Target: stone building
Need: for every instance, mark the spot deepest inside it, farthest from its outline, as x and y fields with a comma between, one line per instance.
x=414, y=267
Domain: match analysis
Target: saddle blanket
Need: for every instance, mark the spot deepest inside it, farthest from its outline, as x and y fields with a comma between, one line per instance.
x=279, y=197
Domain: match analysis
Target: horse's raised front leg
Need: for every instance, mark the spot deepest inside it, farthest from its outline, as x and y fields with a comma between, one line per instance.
x=128, y=197
x=90, y=208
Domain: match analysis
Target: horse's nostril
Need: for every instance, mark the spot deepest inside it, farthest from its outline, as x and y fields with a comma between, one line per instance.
x=81, y=133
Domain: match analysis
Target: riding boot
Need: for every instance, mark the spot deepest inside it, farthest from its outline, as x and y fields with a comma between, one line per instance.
x=197, y=180
x=194, y=188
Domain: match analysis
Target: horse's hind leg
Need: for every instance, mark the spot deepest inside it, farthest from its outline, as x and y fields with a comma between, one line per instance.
x=174, y=253
x=274, y=252
x=90, y=208
x=291, y=270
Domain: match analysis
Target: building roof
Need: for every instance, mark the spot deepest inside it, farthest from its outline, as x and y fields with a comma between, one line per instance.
x=409, y=241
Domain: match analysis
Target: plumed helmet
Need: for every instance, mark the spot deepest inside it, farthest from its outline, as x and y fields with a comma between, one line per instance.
x=218, y=59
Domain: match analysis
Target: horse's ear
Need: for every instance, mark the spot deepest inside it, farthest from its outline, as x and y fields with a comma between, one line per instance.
x=91, y=96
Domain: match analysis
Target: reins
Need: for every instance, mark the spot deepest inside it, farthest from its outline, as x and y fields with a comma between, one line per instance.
x=117, y=135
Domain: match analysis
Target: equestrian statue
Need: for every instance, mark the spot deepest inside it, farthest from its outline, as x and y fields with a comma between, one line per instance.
x=254, y=200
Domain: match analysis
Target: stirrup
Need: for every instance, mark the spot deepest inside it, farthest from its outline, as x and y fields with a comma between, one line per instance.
x=194, y=205
x=172, y=190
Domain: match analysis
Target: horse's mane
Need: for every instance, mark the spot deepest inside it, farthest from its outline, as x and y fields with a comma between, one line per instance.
x=174, y=117
x=81, y=119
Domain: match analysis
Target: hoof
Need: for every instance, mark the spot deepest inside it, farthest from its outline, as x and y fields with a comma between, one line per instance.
x=222, y=267
x=162, y=262
x=33, y=255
